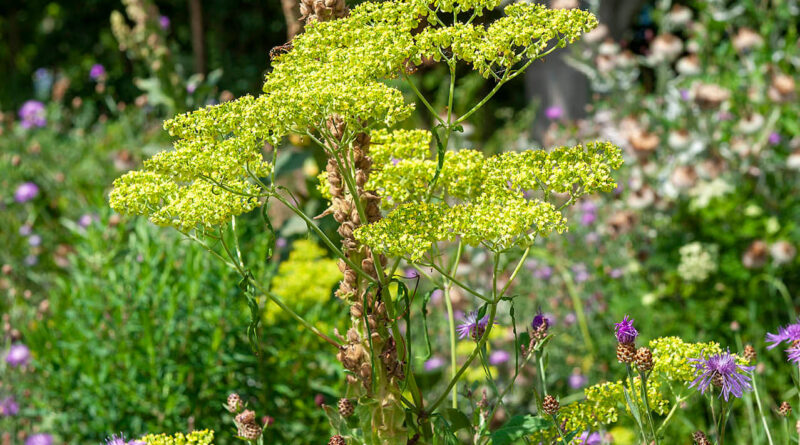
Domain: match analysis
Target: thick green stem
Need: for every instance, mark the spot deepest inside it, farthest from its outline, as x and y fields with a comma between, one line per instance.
x=760, y=408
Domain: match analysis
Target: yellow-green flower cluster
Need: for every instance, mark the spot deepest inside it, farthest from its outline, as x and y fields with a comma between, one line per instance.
x=203, y=437
x=481, y=200
x=335, y=68
x=465, y=5
x=304, y=279
x=671, y=366
x=525, y=31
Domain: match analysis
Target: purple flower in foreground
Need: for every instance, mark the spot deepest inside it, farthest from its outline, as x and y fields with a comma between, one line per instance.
x=499, y=357
x=540, y=321
x=588, y=438
x=553, y=113
x=97, y=72
x=472, y=326
x=790, y=334
x=18, y=355
x=32, y=114
x=625, y=331
x=8, y=407
x=774, y=138
x=793, y=354
x=434, y=363
x=164, y=22
x=722, y=371
x=39, y=439
x=25, y=192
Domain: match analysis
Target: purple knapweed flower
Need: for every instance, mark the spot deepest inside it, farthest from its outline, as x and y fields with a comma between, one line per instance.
x=543, y=273
x=35, y=240
x=25, y=192
x=588, y=218
x=793, y=354
x=570, y=318
x=553, y=113
x=436, y=296
x=499, y=357
x=774, y=138
x=191, y=88
x=540, y=321
x=164, y=22
x=410, y=273
x=31, y=260
x=120, y=440
x=625, y=331
x=8, y=407
x=472, y=326
x=25, y=230
x=789, y=334
x=281, y=242
x=18, y=355
x=39, y=439
x=615, y=273
x=722, y=371
x=97, y=72
x=32, y=114
x=580, y=273
x=434, y=363
x=577, y=380
x=589, y=438
x=685, y=95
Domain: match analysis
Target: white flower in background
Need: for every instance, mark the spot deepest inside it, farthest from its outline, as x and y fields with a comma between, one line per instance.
x=746, y=39
x=793, y=161
x=678, y=139
x=665, y=48
x=751, y=123
x=705, y=191
x=688, y=65
x=697, y=262
x=679, y=15
x=782, y=252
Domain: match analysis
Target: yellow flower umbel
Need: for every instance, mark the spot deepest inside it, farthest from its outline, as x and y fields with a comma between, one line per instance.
x=203, y=437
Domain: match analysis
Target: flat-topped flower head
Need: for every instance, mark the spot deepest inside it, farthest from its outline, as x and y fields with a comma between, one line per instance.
x=473, y=326
x=625, y=331
x=722, y=371
x=787, y=334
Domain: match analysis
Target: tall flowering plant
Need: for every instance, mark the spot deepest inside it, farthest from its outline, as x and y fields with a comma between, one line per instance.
x=399, y=196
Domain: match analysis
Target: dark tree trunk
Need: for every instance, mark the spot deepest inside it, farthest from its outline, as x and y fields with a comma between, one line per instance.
x=198, y=36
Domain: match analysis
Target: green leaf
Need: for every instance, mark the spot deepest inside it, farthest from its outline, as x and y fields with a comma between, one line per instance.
x=518, y=427
x=457, y=419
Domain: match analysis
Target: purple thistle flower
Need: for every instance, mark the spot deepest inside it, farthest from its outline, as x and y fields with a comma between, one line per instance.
x=473, y=326
x=588, y=438
x=625, y=331
x=577, y=380
x=434, y=363
x=164, y=22
x=410, y=273
x=32, y=114
x=588, y=218
x=543, y=273
x=35, y=240
x=580, y=273
x=685, y=94
x=25, y=230
x=25, y=192
x=18, y=355
x=540, y=319
x=615, y=273
x=8, y=407
x=774, y=138
x=120, y=440
x=31, y=260
x=790, y=334
x=97, y=72
x=793, y=354
x=281, y=242
x=553, y=113
x=39, y=439
x=499, y=357
x=722, y=371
